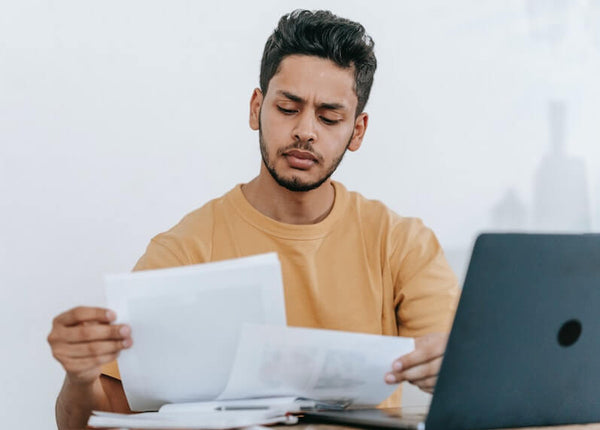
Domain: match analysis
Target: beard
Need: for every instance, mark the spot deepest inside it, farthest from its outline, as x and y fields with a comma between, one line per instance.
x=294, y=183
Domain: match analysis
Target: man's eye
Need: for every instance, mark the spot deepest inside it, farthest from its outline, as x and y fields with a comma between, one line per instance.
x=286, y=111
x=329, y=121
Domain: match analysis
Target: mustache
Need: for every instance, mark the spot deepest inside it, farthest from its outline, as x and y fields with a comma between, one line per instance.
x=303, y=146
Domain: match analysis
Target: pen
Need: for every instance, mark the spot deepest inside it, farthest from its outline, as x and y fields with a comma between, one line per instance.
x=240, y=408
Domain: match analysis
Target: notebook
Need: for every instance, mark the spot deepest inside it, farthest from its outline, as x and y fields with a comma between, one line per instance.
x=525, y=344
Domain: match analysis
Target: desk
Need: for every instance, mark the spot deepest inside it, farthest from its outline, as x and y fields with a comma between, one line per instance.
x=595, y=426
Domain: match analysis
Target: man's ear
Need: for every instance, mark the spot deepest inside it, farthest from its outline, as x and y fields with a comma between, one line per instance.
x=360, y=127
x=255, y=104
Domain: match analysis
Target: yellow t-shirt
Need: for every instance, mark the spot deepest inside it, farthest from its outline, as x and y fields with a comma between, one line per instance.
x=362, y=269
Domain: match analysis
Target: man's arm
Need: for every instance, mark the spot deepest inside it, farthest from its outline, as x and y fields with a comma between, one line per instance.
x=426, y=296
x=82, y=340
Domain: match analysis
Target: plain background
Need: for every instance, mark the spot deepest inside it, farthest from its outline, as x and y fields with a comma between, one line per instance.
x=117, y=118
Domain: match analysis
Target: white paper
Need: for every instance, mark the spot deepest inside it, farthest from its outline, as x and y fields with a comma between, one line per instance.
x=325, y=365
x=204, y=420
x=185, y=324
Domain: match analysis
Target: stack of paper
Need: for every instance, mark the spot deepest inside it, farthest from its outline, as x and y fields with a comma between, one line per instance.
x=211, y=347
x=190, y=420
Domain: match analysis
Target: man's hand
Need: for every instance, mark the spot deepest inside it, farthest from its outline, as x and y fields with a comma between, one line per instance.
x=421, y=366
x=83, y=339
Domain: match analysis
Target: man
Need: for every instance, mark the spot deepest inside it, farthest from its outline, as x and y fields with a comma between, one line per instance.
x=348, y=263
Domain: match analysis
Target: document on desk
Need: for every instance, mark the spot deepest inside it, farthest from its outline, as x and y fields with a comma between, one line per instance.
x=330, y=366
x=194, y=420
x=214, y=337
x=278, y=370
x=186, y=323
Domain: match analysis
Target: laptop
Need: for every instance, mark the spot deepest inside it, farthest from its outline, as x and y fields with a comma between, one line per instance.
x=524, y=349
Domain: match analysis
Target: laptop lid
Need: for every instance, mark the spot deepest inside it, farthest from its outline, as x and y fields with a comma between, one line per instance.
x=524, y=349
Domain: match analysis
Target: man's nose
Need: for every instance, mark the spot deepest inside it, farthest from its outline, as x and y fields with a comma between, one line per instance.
x=305, y=128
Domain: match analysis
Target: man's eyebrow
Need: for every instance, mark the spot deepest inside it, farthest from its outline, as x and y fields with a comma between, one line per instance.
x=292, y=97
x=332, y=106
x=298, y=99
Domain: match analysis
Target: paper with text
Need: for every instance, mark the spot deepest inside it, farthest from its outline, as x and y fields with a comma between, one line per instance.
x=318, y=364
x=185, y=324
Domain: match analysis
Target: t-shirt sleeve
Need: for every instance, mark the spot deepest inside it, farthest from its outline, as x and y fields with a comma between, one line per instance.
x=161, y=254
x=425, y=289
x=111, y=369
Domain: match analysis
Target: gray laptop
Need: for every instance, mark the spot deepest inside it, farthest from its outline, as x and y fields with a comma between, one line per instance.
x=525, y=344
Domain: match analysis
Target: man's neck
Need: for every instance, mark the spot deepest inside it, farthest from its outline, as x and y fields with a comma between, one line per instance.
x=290, y=207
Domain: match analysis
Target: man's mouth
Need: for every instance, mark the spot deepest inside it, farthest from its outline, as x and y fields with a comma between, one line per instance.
x=298, y=159
x=303, y=155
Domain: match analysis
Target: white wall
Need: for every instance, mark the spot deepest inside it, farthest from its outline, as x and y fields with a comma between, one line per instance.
x=116, y=118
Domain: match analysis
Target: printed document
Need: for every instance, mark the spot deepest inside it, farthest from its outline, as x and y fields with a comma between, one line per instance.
x=276, y=371
x=335, y=367
x=185, y=324
x=213, y=337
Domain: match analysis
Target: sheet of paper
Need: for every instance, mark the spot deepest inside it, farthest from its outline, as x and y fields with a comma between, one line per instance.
x=203, y=420
x=185, y=325
x=319, y=364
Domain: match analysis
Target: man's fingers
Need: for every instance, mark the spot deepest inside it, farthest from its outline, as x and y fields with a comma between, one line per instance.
x=424, y=371
x=91, y=332
x=427, y=347
x=427, y=384
x=83, y=339
x=415, y=373
x=92, y=349
x=422, y=363
x=418, y=356
x=83, y=313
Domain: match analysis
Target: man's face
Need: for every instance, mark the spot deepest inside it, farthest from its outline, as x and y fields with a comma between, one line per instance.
x=306, y=121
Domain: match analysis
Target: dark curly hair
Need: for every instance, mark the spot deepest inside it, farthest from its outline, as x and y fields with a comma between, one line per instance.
x=322, y=34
